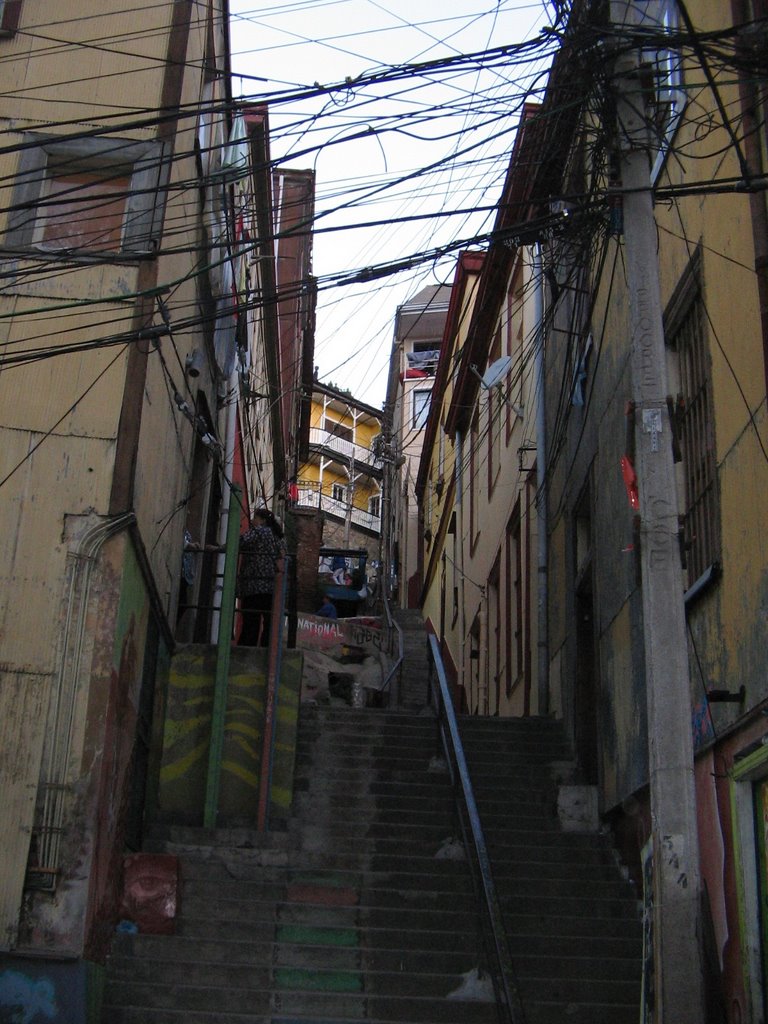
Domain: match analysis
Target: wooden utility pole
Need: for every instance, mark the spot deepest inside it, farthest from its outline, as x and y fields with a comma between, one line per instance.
x=678, y=982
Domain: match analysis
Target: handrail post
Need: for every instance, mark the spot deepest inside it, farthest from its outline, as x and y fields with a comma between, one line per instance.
x=223, y=654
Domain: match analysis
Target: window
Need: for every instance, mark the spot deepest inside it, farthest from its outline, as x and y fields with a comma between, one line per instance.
x=474, y=486
x=374, y=506
x=82, y=209
x=684, y=328
x=10, y=11
x=338, y=429
x=514, y=347
x=662, y=75
x=420, y=409
x=90, y=196
x=338, y=492
x=424, y=357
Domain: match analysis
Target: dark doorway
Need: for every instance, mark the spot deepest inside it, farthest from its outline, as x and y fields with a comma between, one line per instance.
x=586, y=697
x=587, y=689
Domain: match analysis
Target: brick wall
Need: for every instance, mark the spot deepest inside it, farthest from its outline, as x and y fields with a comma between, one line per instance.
x=308, y=535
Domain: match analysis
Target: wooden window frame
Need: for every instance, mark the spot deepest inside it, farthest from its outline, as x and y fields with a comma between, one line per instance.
x=420, y=416
x=685, y=333
x=145, y=162
x=338, y=429
x=10, y=15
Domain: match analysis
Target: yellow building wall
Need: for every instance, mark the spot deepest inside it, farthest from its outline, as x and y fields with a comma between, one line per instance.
x=62, y=416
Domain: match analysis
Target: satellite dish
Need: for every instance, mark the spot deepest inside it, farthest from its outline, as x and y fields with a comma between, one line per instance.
x=496, y=372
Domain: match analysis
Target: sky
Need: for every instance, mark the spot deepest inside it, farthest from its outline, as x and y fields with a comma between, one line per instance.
x=402, y=156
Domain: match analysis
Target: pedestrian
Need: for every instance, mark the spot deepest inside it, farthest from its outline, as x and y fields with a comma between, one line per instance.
x=260, y=550
x=327, y=609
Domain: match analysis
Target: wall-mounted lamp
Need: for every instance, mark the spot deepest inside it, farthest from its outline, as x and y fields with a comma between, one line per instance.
x=194, y=362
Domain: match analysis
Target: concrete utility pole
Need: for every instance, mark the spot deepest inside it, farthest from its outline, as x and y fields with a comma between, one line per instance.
x=676, y=896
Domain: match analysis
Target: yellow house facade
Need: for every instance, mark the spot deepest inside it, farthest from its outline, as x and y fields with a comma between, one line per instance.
x=117, y=327
x=477, y=483
x=343, y=471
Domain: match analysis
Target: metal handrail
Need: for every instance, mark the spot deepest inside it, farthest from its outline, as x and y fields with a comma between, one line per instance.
x=497, y=947
x=398, y=663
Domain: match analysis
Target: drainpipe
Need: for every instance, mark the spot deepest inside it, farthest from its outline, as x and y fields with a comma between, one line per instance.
x=82, y=562
x=460, y=554
x=542, y=483
x=750, y=106
x=483, y=667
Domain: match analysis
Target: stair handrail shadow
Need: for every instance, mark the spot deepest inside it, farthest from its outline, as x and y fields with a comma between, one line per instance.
x=494, y=937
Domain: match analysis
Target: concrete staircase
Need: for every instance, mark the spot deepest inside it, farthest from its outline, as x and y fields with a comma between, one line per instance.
x=347, y=916
x=572, y=921
x=415, y=673
x=358, y=913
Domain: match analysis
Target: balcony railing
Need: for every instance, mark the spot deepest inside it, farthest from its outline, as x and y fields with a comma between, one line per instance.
x=311, y=497
x=348, y=449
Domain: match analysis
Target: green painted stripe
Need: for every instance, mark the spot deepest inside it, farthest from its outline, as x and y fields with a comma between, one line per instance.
x=305, y=980
x=317, y=936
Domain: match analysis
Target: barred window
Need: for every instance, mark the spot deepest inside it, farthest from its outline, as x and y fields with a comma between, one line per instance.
x=686, y=337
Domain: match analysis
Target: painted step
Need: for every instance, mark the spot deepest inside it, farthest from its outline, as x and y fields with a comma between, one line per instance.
x=396, y=960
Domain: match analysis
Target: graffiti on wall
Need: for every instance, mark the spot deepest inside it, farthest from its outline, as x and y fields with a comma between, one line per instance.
x=345, y=660
x=25, y=1000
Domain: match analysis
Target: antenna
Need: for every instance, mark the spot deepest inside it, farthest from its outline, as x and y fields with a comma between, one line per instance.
x=496, y=372
x=494, y=376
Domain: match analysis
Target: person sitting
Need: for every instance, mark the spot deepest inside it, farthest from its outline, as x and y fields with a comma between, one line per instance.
x=327, y=609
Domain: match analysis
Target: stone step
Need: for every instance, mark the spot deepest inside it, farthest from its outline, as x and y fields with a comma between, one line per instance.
x=311, y=1001
x=554, y=926
x=130, y=949
x=541, y=1011
x=537, y=954
x=432, y=785
x=391, y=881
x=356, y=970
x=126, y=1014
x=350, y=916
x=372, y=889
x=427, y=1010
x=376, y=804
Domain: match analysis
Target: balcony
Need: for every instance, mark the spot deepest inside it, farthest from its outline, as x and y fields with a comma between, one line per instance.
x=346, y=449
x=310, y=497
